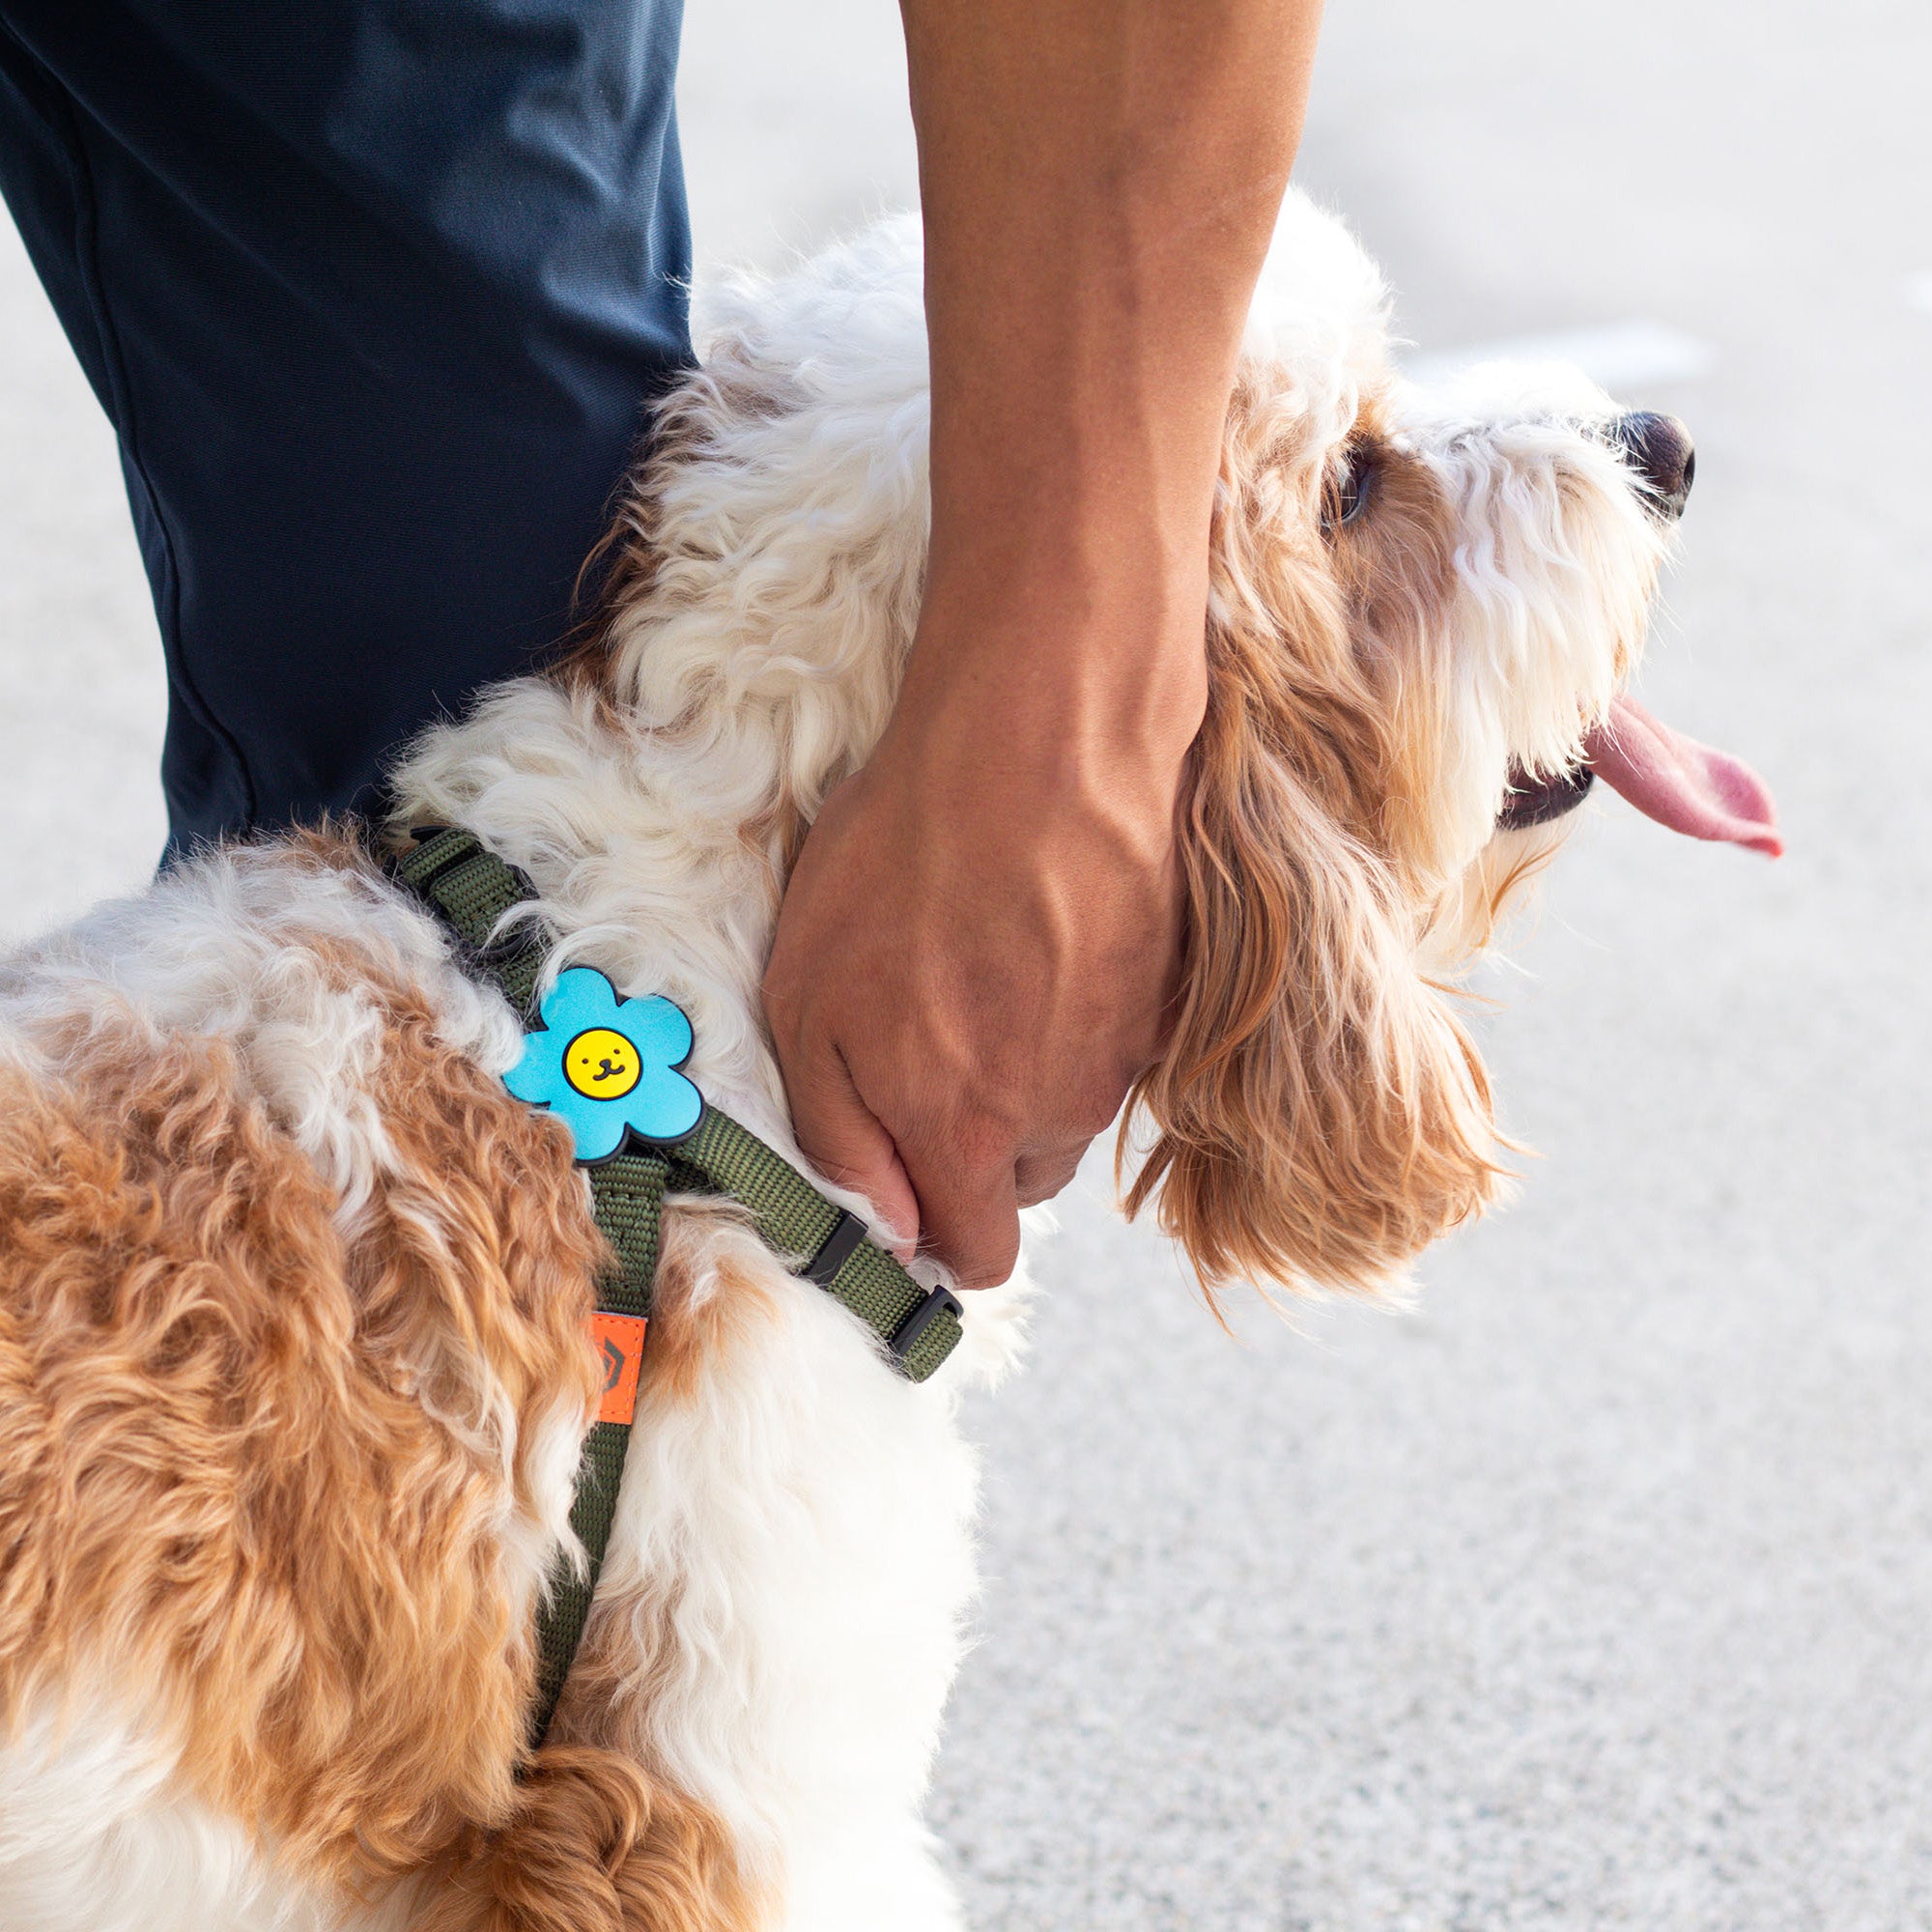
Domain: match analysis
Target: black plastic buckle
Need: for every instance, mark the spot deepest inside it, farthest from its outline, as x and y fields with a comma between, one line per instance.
x=905, y=1337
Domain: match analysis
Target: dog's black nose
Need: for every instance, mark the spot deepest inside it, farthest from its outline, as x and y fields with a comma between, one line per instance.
x=1660, y=449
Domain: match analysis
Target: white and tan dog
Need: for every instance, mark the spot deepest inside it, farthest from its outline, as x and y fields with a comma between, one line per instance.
x=293, y=1293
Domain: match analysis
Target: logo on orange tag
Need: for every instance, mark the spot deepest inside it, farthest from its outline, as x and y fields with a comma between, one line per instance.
x=620, y=1348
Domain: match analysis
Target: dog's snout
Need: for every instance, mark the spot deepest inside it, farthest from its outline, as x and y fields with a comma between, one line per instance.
x=1660, y=449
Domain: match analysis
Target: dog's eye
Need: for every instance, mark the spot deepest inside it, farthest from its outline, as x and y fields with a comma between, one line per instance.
x=1347, y=493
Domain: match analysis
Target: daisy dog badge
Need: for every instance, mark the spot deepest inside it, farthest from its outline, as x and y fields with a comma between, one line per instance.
x=607, y=1066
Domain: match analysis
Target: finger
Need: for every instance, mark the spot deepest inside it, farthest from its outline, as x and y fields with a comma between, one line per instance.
x=841, y=1137
x=969, y=1216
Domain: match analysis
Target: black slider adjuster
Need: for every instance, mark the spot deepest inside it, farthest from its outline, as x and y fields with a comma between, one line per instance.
x=835, y=1250
x=941, y=1301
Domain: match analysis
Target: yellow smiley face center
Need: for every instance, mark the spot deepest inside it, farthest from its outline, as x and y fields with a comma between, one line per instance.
x=602, y=1064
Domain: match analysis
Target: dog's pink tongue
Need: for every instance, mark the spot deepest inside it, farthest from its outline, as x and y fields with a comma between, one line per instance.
x=1681, y=784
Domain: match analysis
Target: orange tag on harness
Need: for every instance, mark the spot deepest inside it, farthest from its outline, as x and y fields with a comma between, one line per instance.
x=620, y=1349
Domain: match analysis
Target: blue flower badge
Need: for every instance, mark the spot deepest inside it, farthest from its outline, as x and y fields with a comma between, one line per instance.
x=605, y=1065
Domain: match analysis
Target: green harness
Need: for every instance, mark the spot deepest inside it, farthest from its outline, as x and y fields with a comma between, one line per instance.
x=471, y=889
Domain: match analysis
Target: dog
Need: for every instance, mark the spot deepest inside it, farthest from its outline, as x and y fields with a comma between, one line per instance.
x=294, y=1369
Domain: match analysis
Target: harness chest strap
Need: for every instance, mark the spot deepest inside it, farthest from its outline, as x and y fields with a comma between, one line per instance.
x=471, y=889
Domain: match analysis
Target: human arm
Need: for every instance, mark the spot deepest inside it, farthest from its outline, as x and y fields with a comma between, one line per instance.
x=978, y=944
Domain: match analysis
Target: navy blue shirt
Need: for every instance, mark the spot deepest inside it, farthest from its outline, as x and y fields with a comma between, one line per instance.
x=373, y=292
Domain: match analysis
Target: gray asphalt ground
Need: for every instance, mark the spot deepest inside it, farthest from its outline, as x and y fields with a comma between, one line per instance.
x=1592, y=1592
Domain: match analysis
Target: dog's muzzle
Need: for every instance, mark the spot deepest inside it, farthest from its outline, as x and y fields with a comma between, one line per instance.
x=1661, y=451
x=1535, y=801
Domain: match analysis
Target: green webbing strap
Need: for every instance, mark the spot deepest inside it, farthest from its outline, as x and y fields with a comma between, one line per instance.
x=920, y=1326
x=472, y=889
x=627, y=1192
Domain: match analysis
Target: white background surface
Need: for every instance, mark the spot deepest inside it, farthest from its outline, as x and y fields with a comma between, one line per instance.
x=1594, y=1593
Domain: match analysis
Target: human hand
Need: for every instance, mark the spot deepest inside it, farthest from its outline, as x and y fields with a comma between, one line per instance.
x=980, y=939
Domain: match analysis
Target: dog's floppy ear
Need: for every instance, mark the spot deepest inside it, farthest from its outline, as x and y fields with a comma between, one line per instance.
x=1320, y=1113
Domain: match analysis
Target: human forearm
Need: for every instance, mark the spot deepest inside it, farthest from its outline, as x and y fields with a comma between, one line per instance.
x=1100, y=177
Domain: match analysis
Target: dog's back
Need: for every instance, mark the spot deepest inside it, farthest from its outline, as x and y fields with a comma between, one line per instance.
x=290, y=1300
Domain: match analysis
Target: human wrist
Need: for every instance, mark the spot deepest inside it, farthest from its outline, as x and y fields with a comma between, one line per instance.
x=1067, y=566
x=1096, y=679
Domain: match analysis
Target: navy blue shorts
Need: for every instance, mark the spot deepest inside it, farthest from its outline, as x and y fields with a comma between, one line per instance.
x=373, y=292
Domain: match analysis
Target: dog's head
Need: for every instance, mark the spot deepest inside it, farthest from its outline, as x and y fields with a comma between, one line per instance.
x=1425, y=610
